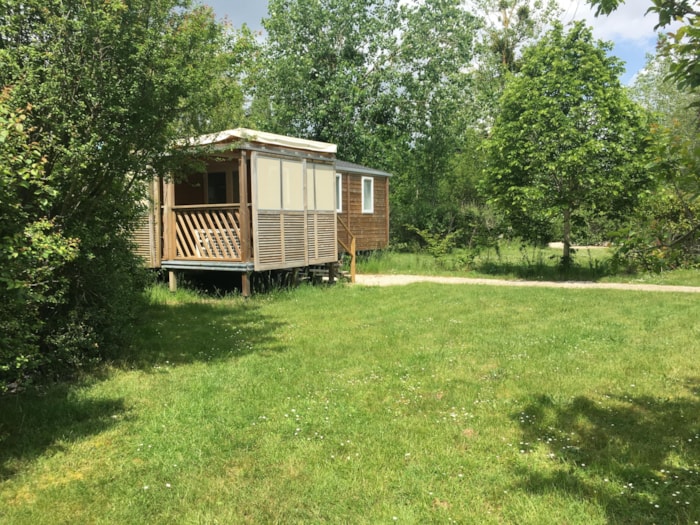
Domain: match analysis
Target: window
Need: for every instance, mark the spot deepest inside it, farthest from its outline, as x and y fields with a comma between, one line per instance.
x=216, y=188
x=367, y=195
x=338, y=192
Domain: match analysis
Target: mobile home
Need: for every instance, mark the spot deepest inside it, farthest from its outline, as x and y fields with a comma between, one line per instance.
x=264, y=202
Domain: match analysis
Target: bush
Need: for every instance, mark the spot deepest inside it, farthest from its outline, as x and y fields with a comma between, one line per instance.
x=33, y=251
x=663, y=236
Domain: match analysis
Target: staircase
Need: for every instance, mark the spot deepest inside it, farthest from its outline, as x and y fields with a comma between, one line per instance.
x=323, y=273
x=332, y=272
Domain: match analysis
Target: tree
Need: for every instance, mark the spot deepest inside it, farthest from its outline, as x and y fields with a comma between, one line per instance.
x=658, y=93
x=105, y=87
x=507, y=27
x=385, y=80
x=665, y=234
x=567, y=139
x=32, y=249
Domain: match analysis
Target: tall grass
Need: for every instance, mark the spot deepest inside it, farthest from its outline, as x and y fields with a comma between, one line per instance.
x=511, y=260
x=418, y=404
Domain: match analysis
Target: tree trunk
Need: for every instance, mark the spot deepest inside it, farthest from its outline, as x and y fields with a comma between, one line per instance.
x=566, y=256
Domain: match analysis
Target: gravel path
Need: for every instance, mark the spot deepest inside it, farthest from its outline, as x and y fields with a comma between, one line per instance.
x=393, y=280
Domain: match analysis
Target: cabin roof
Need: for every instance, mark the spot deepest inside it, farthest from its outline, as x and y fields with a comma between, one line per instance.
x=261, y=137
x=350, y=167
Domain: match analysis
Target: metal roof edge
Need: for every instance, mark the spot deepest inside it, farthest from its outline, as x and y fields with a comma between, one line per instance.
x=358, y=169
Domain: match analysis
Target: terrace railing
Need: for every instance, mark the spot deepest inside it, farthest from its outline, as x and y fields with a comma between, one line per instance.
x=206, y=233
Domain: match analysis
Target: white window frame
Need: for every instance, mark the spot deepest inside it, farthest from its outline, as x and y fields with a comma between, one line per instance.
x=339, y=192
x=371, y=191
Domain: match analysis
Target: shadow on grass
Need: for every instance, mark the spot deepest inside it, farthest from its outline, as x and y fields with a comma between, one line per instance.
x=39, y=421
x=200, y=332
x=541, y=265
x=637, y=457
x=36, y=423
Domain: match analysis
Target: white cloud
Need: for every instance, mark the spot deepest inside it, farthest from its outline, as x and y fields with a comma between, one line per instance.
x=628, y=22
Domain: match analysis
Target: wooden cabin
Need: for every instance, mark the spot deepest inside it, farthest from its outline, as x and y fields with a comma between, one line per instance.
x=264, y=202
x=363, y=205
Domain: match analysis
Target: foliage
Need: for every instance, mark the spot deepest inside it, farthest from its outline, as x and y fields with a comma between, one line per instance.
x=32, y=248
x=656, y=92
x=507, y=27
x=109, y=86
x=665, y=234
x=385, y=80
x=438, y=245
x=567, y=139
x=225, y=103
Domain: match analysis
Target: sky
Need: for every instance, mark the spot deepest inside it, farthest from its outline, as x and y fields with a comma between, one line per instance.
x=631, y=32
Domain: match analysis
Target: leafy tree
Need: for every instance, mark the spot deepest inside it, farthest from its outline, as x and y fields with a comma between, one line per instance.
x=385, y=80
x=666, y=232
x=225, y=104
x=106, y=86
x=32, y=248
x=567, y=139
x=658, y=93
x=507, y=27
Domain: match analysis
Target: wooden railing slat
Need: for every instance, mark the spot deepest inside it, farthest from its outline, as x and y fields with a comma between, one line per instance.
x=204, y=232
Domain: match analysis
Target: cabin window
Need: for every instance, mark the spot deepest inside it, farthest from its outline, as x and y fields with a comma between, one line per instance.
x=338, y=192
x=367, y=195
x=216, y=188
x=236, y=186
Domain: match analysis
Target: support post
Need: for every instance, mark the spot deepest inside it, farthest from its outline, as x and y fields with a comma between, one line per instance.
x=245, y=284
x=169, y=220
x=172, y=281
x=243, y=191
x=353, y=256
x=331, y=273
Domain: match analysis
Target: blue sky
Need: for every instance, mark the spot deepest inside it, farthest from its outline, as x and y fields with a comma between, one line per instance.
x=631, y=32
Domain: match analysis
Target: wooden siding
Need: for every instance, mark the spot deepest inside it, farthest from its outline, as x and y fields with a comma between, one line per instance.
x=287, y=239
x=145, y=241
x=371, y=230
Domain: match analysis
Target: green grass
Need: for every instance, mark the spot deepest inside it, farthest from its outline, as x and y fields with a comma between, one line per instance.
x=415, y=404
x=511, y=261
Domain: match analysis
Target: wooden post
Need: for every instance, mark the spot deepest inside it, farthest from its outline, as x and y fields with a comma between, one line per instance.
x=331, y=272
x=245, y=212
x=169, y=250
x=353, y=270
x=172, y=281
x=386, y=207
x=245, y=284
x=158, y=215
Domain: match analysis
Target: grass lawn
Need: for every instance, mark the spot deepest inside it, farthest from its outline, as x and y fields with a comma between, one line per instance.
x=512, y=261
x=423, y=403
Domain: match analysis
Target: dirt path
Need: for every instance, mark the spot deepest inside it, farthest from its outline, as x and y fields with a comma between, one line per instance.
x=392, y=280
